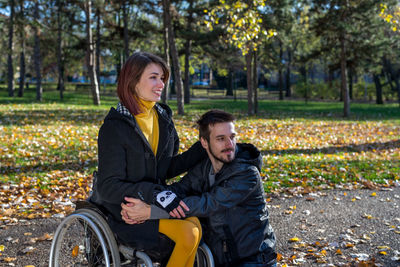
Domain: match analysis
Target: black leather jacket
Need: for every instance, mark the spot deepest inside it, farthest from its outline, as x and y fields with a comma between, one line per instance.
x=233, y=209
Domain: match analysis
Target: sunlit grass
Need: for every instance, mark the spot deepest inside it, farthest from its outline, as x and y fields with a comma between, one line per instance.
x=49, y=149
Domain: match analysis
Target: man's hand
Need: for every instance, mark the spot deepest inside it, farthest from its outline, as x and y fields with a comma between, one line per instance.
x=179, y=211
x=171, y=203
x=135, y=211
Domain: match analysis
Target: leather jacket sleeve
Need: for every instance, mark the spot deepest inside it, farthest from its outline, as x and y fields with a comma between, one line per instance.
x=185, y=161
x=224, y=195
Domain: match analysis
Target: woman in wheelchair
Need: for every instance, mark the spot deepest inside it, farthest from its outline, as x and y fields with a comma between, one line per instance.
x=137, y=152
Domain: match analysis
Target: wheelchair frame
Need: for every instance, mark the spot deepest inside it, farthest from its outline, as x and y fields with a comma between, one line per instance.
x=95, y=226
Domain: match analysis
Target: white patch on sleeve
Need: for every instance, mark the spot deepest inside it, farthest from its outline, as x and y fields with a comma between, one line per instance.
x=165, y=198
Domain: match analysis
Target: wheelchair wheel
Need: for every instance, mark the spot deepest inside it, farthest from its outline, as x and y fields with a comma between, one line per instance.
x=84, y=239
x=204, y=257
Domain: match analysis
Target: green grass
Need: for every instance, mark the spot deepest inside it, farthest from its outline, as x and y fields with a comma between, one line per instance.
x=48, y=149
x=304, y=144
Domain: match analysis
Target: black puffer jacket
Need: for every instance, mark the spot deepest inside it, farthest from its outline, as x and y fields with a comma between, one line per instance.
x=233, y=208
x=128, y=167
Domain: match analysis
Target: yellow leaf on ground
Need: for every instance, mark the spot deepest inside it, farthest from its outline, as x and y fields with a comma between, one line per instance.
x=368, y=216
x=373, y=194
x=2, y=247
x=366, y=237
x=9, y=259
x=44, y=237
x=278, y=257
x=75, y=251
x=382, y=252
x=294, y=239
x=339, y=252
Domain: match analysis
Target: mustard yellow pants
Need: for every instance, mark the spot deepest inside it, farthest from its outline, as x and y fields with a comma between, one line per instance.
x=187, y=235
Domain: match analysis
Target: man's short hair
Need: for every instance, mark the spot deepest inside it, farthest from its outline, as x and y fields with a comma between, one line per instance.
x=210, y=118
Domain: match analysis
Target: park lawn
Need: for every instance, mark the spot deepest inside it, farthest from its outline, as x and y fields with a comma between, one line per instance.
x=48, y=150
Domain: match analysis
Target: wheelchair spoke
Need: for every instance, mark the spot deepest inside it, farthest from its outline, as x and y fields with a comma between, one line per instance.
x=79, y=245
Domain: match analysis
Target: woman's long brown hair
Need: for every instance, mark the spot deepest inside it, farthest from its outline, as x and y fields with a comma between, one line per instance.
x=130, y=75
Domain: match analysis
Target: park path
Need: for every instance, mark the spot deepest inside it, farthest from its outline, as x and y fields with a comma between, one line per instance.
x=325, y=228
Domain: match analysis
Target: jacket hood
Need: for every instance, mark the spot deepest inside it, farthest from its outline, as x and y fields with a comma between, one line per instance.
x=162, y=109
x=113, y=114
x=250, y=154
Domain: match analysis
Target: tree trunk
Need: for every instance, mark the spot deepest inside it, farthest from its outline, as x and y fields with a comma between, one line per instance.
x=164, y=95
x=91, y=64
x=255, y=82
x=343, y=71
x=288, y=66
x=280, y=75
x=119, y=53
x=98, y=40
x=22, y=54
x=126, y=34
x=378, y=87
x=188, y=46
x=350, y=75
x=250, y=99
x=175, y=59
x=10, y=69
x=37, y=57
x=229, y=91
x=187, y=74
x=60, y=61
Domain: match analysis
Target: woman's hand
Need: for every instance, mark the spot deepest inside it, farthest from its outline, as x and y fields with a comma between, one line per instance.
x=135, y=211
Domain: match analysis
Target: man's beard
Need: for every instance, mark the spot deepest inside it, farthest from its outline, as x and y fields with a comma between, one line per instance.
x=228, y=160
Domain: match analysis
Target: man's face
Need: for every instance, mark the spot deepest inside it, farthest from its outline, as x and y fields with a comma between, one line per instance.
x=222, y=142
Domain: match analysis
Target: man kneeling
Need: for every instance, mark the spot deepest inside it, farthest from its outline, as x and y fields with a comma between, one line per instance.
x=226, y=192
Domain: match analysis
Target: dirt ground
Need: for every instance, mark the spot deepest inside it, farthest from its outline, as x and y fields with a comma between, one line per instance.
x=329, y=228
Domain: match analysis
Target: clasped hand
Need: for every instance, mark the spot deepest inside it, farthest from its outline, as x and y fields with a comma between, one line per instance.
x=135, y=211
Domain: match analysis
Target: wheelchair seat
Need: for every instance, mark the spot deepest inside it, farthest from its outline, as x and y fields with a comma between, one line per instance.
x=84, y=238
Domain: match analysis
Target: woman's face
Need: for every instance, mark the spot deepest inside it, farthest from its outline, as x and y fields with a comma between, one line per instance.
x=151, y=83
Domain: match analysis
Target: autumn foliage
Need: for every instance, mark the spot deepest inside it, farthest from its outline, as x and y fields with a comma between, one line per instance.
x=49, y=151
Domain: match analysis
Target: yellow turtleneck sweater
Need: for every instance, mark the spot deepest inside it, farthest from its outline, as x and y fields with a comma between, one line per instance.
x=186, y=245
x=148, y=123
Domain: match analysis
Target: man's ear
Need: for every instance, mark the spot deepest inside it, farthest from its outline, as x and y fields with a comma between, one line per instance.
x=204, y=143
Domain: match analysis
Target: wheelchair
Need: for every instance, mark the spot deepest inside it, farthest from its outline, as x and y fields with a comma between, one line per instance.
x=84, y=239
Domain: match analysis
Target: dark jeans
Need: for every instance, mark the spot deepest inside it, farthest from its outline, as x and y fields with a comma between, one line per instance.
x=261, y=259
